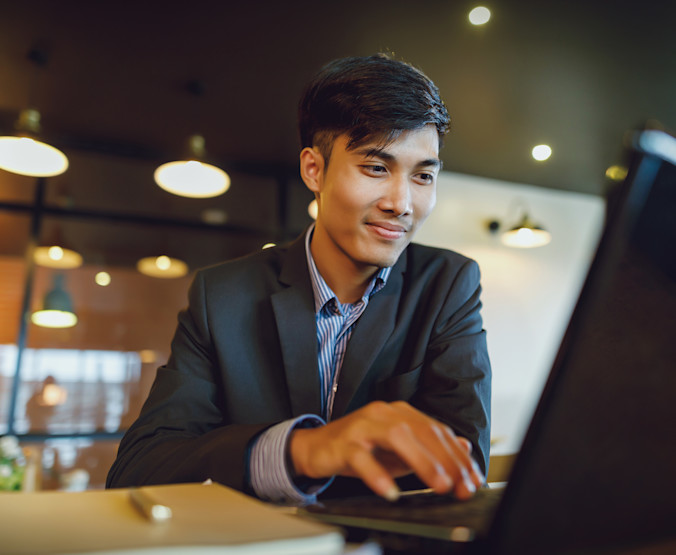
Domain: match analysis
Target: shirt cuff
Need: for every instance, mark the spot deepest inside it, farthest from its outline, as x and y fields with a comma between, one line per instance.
x=269, y=475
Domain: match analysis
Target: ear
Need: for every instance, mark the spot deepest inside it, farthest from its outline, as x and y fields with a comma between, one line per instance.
x=312, y=169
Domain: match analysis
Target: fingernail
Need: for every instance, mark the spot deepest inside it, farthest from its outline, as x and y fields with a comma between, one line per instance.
x=448, y=480
x=470, y=486
x=444, y=482
x=392, y=493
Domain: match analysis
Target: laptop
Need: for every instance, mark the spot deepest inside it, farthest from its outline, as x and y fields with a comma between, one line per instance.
x=597, y=468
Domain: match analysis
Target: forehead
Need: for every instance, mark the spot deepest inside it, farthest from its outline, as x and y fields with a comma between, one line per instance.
x=422, y=142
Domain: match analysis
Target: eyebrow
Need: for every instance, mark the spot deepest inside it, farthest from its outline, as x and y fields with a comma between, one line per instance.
x=372, y=152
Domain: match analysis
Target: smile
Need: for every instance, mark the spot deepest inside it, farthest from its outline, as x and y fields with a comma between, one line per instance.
x=386, y=230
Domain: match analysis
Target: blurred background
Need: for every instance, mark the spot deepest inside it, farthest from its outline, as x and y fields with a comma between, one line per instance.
x=122, y=86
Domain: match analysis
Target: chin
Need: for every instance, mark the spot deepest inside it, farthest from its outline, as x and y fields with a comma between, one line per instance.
x=382, y=260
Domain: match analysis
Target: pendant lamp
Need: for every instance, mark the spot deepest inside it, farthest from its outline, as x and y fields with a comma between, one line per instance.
x=25, y=155
x=193, y=177
x=162, y=266
x=55, y=256
x=57, y=310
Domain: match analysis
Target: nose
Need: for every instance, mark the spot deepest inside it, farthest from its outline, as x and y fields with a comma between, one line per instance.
x=396, y=198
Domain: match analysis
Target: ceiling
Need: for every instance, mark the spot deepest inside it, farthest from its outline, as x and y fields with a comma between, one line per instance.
x=114, y=92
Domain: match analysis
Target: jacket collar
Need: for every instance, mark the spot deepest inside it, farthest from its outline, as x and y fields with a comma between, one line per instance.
x=294, y=312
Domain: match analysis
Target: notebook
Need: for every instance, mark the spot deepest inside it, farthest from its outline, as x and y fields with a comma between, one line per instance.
x=597, y=467
x=203, y=519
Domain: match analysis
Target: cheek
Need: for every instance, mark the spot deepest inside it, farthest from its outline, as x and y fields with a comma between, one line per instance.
x=348, y=198
x=424, y=202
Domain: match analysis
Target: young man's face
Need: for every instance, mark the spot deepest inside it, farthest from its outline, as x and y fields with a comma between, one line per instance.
x=372, y=198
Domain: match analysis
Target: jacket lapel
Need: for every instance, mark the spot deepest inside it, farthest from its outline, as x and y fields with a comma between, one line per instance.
x=295, y=316
x=371, y=332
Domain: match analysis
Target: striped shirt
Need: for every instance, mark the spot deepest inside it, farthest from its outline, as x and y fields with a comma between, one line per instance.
x=335, y=322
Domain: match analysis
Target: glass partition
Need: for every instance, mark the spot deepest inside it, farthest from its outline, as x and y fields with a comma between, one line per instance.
x=14, y=237
x=69, y=394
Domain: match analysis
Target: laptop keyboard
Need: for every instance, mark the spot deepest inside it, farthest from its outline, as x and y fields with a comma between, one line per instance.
x=428, y=509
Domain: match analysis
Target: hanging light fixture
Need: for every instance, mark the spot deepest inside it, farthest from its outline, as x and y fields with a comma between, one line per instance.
x=23, y=153
x=162, y=267
x=57, y=309
x=526, y=234
x=193, y=177
x=55, y=256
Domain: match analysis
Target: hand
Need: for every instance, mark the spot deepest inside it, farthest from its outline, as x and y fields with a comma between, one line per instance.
x=383, y=441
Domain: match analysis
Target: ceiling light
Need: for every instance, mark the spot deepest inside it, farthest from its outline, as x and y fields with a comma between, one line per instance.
x=55, y=256
x=57, y=309
x=214, y=216
x=616, y=173
x=268, y=245
x=147, y=356
x=103, y=279
x=162, y=267
x=479, y=15
x=541, y=152
x=193, y=178
x=25, y=155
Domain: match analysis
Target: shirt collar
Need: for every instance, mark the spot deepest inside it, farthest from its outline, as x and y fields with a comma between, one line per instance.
x=323, y=293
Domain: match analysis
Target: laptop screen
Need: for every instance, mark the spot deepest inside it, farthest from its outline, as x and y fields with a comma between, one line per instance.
x=598, y=463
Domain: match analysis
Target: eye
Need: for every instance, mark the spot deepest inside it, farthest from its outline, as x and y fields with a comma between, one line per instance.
x=425, y=178
x=374, y=169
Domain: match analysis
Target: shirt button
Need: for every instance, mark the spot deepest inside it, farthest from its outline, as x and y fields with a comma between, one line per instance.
x=335, y=387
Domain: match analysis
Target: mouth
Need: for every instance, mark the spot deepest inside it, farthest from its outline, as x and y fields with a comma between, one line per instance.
x=387, y=230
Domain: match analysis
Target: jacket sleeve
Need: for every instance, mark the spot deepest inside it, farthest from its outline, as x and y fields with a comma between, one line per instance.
x=182, y=433
x=455, y=380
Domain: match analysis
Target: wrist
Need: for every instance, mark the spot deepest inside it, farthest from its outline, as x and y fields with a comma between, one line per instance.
x=296, y=453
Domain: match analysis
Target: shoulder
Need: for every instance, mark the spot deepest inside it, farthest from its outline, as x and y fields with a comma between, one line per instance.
x=259, y=272
x=426, y=261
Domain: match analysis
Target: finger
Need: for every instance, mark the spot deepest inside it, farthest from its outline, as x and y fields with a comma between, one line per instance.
x=364, y=466
x=452, y=452
x=407, y=446
x=388, y=427
x=478, y=475
x=462, y=448
x=454, y=458
x=465, y=443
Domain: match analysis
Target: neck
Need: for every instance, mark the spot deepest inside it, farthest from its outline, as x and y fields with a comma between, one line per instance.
x=346, y=278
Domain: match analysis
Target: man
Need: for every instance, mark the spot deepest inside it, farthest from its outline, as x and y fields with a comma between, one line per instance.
x=350, y=324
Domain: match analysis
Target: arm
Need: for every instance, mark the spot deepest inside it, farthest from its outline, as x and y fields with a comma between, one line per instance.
x=183, y=433
x=455, y=383
x=451, y=396
x=383, y=441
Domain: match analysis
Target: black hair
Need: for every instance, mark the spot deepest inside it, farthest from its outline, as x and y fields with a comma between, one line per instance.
x=366, y=98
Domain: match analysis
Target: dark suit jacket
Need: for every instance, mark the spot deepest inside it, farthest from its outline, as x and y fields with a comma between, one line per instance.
x=244, y=357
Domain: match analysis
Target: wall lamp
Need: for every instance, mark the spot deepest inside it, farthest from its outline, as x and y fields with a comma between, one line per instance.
x=525, y=234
